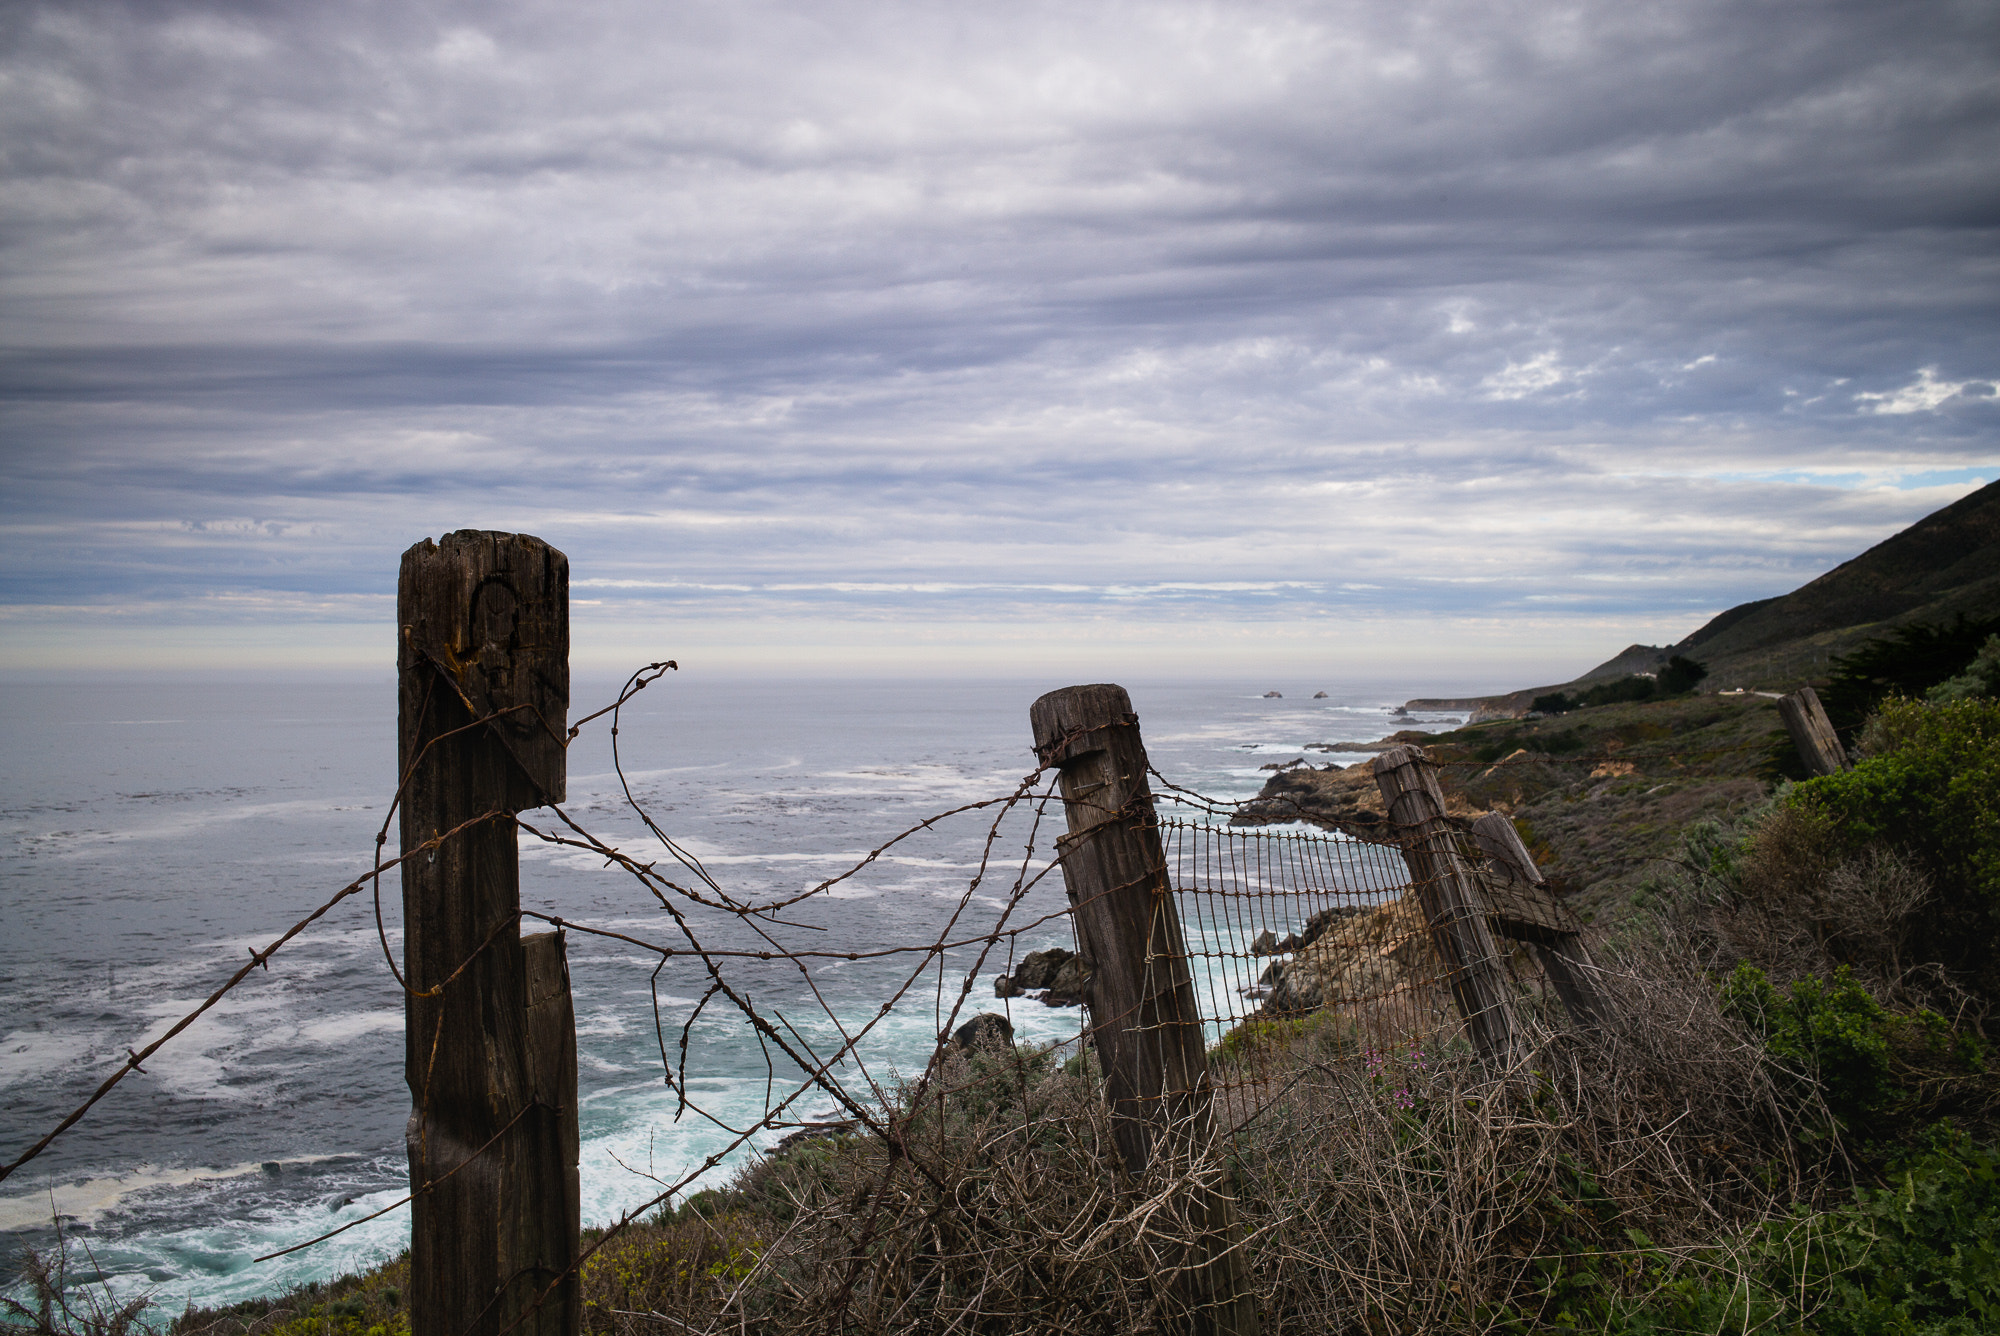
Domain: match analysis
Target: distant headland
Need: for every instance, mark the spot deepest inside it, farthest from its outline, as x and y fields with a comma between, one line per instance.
x=1945, y=566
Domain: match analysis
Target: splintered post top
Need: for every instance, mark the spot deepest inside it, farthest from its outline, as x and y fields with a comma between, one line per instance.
x=1091, y=733
x=488, y=613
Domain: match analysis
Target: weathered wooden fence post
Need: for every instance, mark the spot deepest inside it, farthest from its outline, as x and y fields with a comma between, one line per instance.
x=1812, y=732
x=1557, y=945
x=1450, y=896
x=1144, y=1022
x=490, y=1044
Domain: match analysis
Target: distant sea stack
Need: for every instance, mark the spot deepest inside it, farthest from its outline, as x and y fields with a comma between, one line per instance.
x=1944, y=566
x=1274, y=695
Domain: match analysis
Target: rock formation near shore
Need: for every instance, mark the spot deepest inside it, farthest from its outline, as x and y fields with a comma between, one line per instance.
x=1334, y=798
x=987, y=1029
x=1366, y=956
x=1055, y=974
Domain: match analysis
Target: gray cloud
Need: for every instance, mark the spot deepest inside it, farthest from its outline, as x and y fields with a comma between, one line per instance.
x=1602, y=314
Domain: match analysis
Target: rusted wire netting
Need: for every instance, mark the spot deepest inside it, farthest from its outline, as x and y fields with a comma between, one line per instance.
x=1293, y=930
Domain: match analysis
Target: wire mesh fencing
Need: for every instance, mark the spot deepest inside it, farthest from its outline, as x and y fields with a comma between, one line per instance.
x=1290, y=931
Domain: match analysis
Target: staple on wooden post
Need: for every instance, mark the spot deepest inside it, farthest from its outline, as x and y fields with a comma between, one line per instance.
x=1452, y=904
x=483, y=687
x=1812, y=732
x=1144, y=1021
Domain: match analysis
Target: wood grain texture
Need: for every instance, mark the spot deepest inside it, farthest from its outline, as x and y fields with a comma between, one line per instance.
x=1812, y=732
x=1512, y=877
x=1520, y=901
x=1144, y=1022
x=489, y=612
x=1450, y=895
x=555, y=1218
x=484, y=636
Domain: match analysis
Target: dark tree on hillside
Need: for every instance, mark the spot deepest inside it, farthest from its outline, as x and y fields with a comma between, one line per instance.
x=1680, y=674
x=1907, y=662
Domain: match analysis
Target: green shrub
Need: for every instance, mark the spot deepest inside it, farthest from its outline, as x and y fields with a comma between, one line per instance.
x=367, y=1304
x=1980, y=678
x=996, y=1077
x=1933, y=788
x=1831, y=1033
x=1712, y=849
x=1920, y=1257
x=1551, y=744
x=1629, y=688
x=1255, y=1035
x=1615, y=692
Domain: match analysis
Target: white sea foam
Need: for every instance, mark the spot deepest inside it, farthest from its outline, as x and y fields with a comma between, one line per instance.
x=340, y=1029
x=87, y=1200
x=194, y=1065
x=30, y=1054
x=604, y=783
x=666, y=999
x=199, y=821
x=599, y=1025
x=835, y=857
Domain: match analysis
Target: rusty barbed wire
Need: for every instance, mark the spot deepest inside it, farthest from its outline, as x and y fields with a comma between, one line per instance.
x=1233, y=886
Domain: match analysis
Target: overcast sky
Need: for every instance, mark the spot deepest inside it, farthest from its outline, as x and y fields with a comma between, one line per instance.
x=1455, y=342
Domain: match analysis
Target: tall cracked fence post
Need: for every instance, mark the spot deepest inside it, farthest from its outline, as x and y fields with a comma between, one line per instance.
x=489, y=1041
x=1145, y=1025
x=1812, y=732
x=1449, y=894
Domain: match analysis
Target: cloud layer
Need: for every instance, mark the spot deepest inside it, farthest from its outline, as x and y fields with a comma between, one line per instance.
x=899, y=330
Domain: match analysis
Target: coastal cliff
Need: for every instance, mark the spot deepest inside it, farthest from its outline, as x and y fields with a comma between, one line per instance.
x=1598, y=794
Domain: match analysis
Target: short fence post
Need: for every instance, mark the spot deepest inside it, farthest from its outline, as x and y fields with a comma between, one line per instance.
x=1450, y=896
x=490, y=1055
x=1564, y=959
x=558, y=1144
x=1812, y=732
x=1144, y=1022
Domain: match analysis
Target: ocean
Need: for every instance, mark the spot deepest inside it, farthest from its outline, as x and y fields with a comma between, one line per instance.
x=156, y=831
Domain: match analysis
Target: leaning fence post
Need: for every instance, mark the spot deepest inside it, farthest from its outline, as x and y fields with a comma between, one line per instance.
x=1144, y=1022
x=1564, y=958
x=489, y=1044
x=1812, y=732
x=1449, y=895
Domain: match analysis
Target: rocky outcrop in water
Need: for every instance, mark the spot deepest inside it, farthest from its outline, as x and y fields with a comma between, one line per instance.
x=1057, y=975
